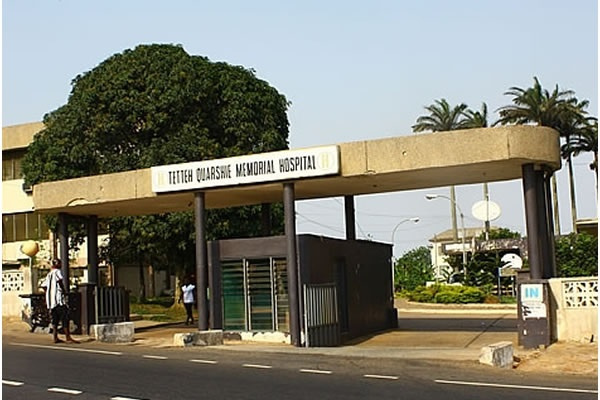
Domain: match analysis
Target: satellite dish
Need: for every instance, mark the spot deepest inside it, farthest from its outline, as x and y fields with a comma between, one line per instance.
x=511, y=260
x=486, y=210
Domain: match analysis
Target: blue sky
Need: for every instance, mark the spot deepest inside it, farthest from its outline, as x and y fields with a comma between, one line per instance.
x=352, y=71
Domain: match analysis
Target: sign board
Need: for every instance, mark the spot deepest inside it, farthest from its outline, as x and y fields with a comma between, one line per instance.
x=532, y=301
x=253, y=168
x=511, y=264
x=504, y=272
x=532, y=293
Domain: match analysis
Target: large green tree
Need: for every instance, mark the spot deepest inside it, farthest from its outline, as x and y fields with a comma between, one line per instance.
x=558, y=109
x=156, y=105
x=577, y=255
x=413, y=269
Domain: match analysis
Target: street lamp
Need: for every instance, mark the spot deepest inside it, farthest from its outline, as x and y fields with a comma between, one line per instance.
x=413, y=219
x=462, y=223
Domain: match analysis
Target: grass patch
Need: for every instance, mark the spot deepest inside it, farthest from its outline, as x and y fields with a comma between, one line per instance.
x=158, y=309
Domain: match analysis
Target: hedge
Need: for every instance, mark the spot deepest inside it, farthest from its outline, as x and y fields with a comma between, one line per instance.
x=446, y=294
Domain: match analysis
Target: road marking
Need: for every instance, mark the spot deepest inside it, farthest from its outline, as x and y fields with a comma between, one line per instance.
x=259, y=366
x=63, y=390
x=316, y=371
x=156, y=357
x=507, y=386
x=12, y=383
x=123, y=398
x=79, y=349
x=204, y=361
x=390, y=377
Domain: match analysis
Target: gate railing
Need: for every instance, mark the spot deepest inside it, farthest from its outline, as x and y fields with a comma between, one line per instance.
x=111, y=304
x=321, y=317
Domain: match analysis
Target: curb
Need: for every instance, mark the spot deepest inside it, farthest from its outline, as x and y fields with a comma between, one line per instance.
x=473, y=311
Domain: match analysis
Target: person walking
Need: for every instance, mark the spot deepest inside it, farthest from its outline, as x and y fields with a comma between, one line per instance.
x=188, y=296
x=56, y=301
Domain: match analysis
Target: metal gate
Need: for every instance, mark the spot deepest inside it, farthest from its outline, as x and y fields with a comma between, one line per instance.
x=111, y=304
x=321, y=317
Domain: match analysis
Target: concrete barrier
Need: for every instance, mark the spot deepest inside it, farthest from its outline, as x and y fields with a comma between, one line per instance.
x=199, y=338
x=120, y=332
x=575, y=308
x=497, y=355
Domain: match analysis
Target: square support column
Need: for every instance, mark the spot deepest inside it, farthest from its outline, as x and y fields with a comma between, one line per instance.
x=92, y=249
x=63, y=238
x=538, y=216
x=532, y=220
x=292, y=262
x=349, y=217
x=201, y=259
x=549, y=270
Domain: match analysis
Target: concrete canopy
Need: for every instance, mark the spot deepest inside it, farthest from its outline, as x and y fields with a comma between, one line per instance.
x=367, y=167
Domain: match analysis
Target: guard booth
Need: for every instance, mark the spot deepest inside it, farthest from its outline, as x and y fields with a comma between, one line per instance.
x=349, y=282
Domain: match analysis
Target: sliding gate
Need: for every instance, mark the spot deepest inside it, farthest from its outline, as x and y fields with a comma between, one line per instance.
x=255, y=295
x=321, y=317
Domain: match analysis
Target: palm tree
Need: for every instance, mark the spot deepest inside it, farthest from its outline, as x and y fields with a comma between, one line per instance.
x=479, y=119
x=572, y=122
x=476, y=119
x=585, y=140
x=443, y=117
x=538, y=106
x=533, y=105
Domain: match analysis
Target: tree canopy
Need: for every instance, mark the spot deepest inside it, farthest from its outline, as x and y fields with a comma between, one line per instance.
x=577, y=255
x=442, y=117
x=413, y=269
x=156, y=105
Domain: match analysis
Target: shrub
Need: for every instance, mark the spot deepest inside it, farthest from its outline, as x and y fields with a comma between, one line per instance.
x=423, y=294
x=470, y=295
x=446, y=294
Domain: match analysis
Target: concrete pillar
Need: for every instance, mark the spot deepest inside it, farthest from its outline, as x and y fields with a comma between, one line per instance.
x=453, y=213
x=92, y=252
x=349, y=217
x=551, y=270
x=292, y=263
x=531, y=218
x=201, y=259
x=63, y=238
x=542, y=217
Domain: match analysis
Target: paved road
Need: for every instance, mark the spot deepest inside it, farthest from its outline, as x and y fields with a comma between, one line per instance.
x=98, y=371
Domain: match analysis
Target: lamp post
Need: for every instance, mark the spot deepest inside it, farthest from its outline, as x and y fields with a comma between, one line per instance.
x=462, y=223
x=413, y=219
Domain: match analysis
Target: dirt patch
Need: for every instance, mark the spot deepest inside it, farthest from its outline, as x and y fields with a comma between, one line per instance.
x=561, y=357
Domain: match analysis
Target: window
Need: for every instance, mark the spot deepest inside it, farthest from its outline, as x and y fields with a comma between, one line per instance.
x=23, y=226
x=11, y=164
x=255, y=294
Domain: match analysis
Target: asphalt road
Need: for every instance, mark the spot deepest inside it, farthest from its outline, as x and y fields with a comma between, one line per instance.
x=88, y=371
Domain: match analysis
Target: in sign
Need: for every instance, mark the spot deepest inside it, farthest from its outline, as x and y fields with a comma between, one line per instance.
x=532, y=292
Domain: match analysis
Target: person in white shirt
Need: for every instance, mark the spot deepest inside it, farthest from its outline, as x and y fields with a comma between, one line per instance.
x=188, y=295
x=56, y=301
